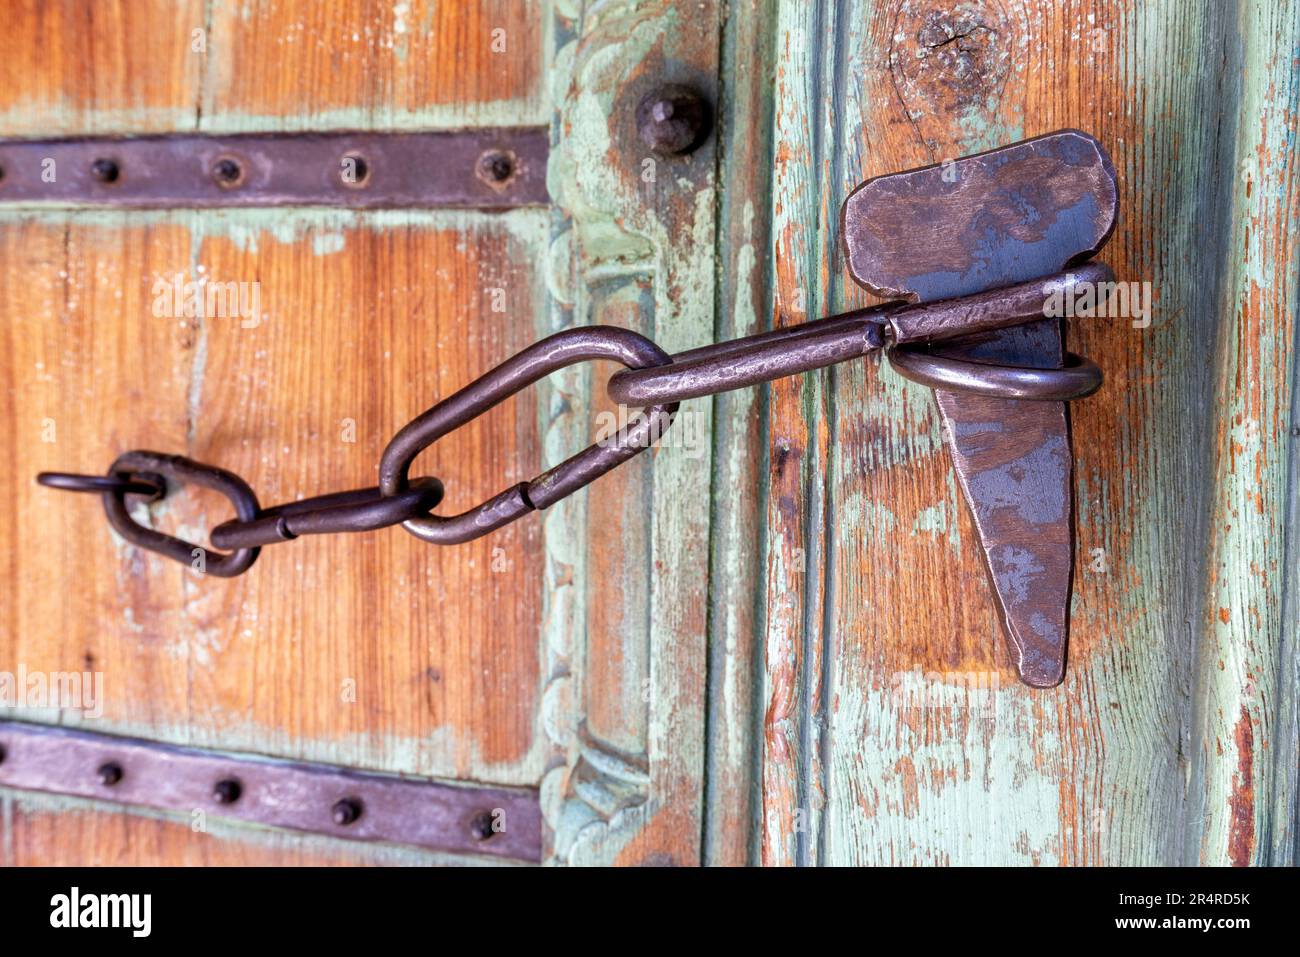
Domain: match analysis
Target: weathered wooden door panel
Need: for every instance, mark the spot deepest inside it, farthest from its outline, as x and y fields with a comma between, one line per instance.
x=893, y=729
x=770, y=639
x=377, y=653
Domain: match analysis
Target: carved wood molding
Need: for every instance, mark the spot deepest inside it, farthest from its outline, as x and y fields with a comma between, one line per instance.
x=626, y=585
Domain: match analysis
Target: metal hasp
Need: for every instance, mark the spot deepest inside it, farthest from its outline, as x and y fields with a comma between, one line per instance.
x=979, y=247
x=1007, y=216
x=481, y=168
x=653, y=380
x=459, y=819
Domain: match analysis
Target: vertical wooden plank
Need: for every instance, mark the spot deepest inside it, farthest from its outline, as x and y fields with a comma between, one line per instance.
x=373, y=64
x=1244, y=733
x=379, y=651
x=371, y=650
x=809, y=48
x=629, y=559
x=932, y=753
x=737, y=518
x=77, y=67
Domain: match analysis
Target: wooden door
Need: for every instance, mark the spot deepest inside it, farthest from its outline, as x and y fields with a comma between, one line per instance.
x=892, y=729
x=713, y=654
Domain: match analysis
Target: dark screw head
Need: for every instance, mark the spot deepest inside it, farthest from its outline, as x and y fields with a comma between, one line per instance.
x=227, y=172
x=2, y=754
x=496, y=168
x=480, y=828
x=105, y=170
x=110, y=773
x=227, y=791
x=672, y=120
x=346, y=811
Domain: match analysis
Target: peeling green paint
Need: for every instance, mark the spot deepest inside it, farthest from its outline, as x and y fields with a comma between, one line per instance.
x=324, y=227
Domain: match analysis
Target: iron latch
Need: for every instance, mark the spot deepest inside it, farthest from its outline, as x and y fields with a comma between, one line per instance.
x=976, y=250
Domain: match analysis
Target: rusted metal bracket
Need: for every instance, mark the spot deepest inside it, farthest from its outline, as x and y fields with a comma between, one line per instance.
x=500, y=822
x=480, y=168
x=1010, y=215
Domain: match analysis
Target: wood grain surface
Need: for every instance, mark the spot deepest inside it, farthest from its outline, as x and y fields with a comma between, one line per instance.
x=374, y=651
x=628, y=571
x=894, y=730
x=359, y=329
x=771, y=640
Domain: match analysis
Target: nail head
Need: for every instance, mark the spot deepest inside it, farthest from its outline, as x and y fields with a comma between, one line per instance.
x=346, y=811
x=672, y=120
x=228, y=172
x=105, y=170
x=227, y=791
x=481, y=826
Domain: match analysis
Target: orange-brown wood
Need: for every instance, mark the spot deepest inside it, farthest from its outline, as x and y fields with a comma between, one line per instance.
x=783, y=650
x=373, y=650
x=70, y=67
x=373, y=58
x=73, y=834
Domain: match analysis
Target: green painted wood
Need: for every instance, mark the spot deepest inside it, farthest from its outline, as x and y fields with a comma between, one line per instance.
x=727, y=632
x=628, y=560
x=1173, y=740
x=1244, y=727
x=744, y=305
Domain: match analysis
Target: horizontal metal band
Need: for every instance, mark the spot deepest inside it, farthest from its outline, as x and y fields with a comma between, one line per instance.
x=481, y=168
x=315, y=798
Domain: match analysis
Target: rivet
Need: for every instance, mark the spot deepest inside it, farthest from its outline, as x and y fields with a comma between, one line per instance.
x=105, y=170
x=110, y=773
x=354, y=171
x=2, y=754
x=228, y=172
x=497, y=168
x=480, y=828
x=346, y=811
x=227, y=791
x=672, y=120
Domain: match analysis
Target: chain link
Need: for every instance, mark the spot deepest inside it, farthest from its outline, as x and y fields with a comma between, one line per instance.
x=651, y=380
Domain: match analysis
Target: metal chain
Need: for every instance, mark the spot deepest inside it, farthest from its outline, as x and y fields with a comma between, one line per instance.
x=651, y=380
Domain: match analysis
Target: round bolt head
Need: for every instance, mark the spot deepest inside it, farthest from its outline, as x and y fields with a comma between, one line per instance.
x=480, y=828
x=354, y=171
x=227, y=791
x=497, y=168
x=228, y=172
x=672, y=120
x=105, y=170
x=346, y=811
x=110, y=773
